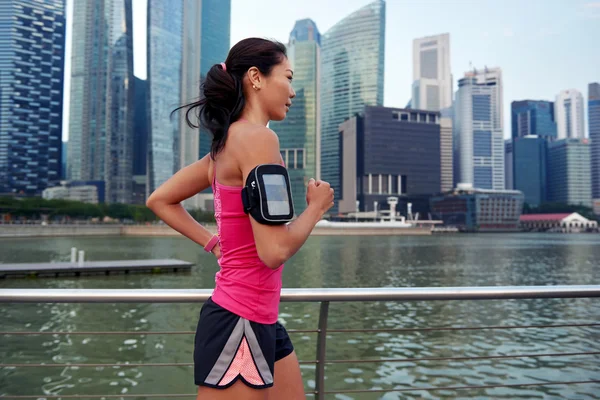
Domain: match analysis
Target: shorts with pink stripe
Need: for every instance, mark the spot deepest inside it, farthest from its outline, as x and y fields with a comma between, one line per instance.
x=228, y=347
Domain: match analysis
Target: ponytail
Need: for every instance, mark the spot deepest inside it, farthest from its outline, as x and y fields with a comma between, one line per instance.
x=222, y=94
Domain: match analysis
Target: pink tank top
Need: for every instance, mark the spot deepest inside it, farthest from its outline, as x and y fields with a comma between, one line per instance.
x=244, y=285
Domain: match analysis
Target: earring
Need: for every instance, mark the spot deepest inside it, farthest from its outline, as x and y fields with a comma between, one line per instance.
x=254, y=87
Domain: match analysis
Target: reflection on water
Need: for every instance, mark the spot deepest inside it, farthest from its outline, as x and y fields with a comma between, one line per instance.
x=463, y=260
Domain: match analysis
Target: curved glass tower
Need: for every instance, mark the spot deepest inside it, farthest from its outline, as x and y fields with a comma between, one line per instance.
x=352, y=65
x=299, y=135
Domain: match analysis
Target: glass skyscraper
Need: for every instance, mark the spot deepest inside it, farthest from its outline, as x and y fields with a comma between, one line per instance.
x=216, y=40
x=299, y=135
x=101, y=111
x=478, y=132
x=140, y=136
x=185, y=39
x=533, y=117
x=533, y=126
x=352, y=67
x=32, y=47
x=165, y=28
x=594, y=129
x=529, y=168
x=569, y=172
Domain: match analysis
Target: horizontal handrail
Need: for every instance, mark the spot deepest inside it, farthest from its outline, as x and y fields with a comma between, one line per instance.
x=347, y=361
x=297, y=331
x=300, y=295
x=323, y=296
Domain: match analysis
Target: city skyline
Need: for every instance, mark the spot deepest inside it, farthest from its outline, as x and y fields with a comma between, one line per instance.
x=351, y=76
x=524, y=48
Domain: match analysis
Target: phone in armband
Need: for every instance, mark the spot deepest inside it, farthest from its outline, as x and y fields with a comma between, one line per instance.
x=267, y=195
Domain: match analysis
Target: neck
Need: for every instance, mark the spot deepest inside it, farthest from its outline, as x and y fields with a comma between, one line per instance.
x=254, y=115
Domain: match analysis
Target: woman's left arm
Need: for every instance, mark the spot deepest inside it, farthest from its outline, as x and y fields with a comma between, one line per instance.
x=166, y=200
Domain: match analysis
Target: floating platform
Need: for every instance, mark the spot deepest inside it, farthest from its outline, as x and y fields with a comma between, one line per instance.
x=88, y=268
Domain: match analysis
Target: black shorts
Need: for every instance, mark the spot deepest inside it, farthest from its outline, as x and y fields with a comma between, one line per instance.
x=228, y=347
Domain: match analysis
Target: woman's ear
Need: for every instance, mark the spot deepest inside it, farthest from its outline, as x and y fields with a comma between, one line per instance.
x=255, y=78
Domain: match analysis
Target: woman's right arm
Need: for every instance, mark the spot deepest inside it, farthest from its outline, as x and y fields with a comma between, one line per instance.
x=275, y=244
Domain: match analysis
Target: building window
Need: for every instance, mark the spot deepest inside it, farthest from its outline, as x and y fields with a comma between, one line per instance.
x=394, y=186
x=402, y=184
x=375, y=184
x=384, y=184
x=482, y=107
x=284, y=157
x=404, y=117
x=413, y=117
x=300, y=158
x=422, y=117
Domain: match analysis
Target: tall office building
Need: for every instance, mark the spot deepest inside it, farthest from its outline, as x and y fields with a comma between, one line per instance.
x=210, y=21
x=389, y=152
x=533, y=117
x=101, y=115
x=432, y=90
x=432, y=78
x=205, y=42
x=478, y=130
x=533, y=126
x=32, y=48
x=529, y=168
x=215, y=35
x=508, y=165
x=594, y=129
x=569, y=172
x=299, y=134
x=352, y=61
x=164, y=30
x=568, y=112
x=140, y=142
x=446, y=163
x=185, y=39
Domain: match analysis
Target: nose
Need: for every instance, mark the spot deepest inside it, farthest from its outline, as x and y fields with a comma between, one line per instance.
x=293, y=94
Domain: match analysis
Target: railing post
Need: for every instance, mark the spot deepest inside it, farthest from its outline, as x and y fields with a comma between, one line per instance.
x=321, y=342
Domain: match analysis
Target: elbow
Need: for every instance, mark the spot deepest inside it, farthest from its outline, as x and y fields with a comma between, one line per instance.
x=150, y=202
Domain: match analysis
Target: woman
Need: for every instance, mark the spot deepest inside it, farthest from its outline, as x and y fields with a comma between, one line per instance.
x=241, y=351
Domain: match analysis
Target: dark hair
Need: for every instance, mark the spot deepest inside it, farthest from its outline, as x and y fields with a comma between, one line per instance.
x=222, y=96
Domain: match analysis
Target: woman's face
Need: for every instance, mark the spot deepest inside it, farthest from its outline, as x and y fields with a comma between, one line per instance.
x=277, y=93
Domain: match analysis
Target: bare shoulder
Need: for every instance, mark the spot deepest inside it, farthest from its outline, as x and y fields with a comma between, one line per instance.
x=255, y=144
x=249, y=137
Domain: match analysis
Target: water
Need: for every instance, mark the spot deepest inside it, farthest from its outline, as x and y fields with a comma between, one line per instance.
x=460, y=260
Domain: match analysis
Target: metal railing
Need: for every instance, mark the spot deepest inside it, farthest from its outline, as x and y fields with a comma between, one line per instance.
x=324, y=297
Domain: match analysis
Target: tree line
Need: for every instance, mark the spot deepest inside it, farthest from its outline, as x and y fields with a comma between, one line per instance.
x=37, y=208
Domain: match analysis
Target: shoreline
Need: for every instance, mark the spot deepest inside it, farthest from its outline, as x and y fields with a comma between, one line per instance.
x=32, y=231
x=29, y=231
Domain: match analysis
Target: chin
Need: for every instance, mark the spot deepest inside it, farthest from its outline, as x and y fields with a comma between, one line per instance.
x=278, y=117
